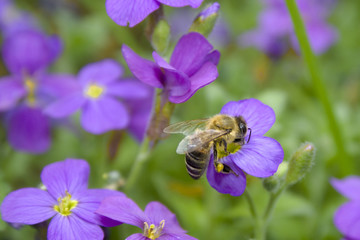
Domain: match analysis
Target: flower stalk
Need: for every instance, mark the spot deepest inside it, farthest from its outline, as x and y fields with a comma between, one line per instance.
x=318, y=84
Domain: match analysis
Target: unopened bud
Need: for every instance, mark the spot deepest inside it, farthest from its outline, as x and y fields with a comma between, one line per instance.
x=205, y=21
x=160, y=37
x=300, y=163
x=273, y=183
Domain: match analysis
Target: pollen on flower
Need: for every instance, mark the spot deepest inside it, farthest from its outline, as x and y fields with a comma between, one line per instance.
x=231, y=148
x=94, y=91
x=152, y=231
x=65, y=205
x=30, y=87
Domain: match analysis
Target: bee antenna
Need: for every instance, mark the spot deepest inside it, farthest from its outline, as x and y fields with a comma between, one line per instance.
x=249, y=135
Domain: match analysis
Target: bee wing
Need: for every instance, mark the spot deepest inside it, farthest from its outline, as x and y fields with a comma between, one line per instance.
x=187, y=127
x=197, y=140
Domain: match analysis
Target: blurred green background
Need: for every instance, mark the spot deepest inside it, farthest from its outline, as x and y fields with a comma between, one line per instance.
x=304, y=211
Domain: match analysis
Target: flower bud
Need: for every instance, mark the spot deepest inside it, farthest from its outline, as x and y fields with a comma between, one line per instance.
x=160, y=37
x=205, y=21
x=300, y=163
x=273, y=183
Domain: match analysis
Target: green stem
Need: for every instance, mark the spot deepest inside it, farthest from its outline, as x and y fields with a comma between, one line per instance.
x=261, y=223
x=138, y=165
x=251, y=204
x=318, y=83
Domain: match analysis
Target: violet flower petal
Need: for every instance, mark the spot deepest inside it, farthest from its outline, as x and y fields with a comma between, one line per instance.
x=73, y=227
x=89, y=202
x=128, y=89
x=190, y=52
x=137, y=236
x=58, y=85
x=144, y=70
x=130, y=11
x=182, y=236
x=140, y=113
x=157, y=212
x=70, y=175
x=260, y=157
x=29, y=51
x=27, y=206
x=258, y=116
x=347, y=219
x=226, y=183
x=65, y=106
x=12, y=90
x=122, y=209
x=104, y=114
x=29, y=130
x=182, y=3
x=204, y=76
x=213, y=57
x=349, y=187
x=104, y=72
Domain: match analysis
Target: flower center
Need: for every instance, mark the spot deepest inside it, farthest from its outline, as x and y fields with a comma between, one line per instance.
x=65, y=204
x=94, y=91
x=30, y=86
x=152, y=231
x=231, y=148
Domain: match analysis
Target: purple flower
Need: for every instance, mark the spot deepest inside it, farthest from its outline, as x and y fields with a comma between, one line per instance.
x=135, y=11
x=27, y=54
x=12, y=20
x=97, y=98
x=347, y=217
x=66, y=200
x=192, y=66
x=157, y=222
x=260, y=157
x=275, y=28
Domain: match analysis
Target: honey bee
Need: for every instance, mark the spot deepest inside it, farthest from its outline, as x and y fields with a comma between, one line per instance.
x=217, y=135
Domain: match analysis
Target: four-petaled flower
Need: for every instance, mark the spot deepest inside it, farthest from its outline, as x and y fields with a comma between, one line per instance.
x=66, y=200
x=99, y=88
x=275, y=27
x=192, y=66
x=27, y=53
x=157, y=222
x=347, y=217
x=134, y=11
x=259, y=157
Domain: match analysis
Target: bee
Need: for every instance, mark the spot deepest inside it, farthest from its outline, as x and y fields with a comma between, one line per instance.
x=216, y=135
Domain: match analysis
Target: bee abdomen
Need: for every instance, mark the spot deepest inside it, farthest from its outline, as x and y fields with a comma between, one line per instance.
x=196, y=163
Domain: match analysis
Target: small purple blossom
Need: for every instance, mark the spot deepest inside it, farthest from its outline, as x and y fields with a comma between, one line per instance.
x=347, y=216
x=260, y=157
x=157, y=222
x=12, y=19
x=275, y=30
x=27, y=53
x=192, y=66
x=97, y=96
x=67, y=200
x=134, y=11
x=210, y=10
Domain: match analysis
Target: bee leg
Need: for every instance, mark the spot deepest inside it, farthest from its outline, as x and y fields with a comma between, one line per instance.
x=228, y=170
x=249, y=135
x=225, y=145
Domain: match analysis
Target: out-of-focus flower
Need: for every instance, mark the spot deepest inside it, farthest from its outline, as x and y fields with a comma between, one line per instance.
x=259, y=157
x=275, y=30
x=12, y=19
x=134, y=11
x=27, y=54
x=157, y=222
x=181, y=20
x=97, y=97
x=67, y=200
x=347, y=217
x=192, y=66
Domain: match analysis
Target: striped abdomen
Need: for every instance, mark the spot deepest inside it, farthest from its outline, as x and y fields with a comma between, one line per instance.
x=196, y=162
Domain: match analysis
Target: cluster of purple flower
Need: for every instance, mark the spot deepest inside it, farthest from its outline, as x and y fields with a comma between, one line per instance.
x=77, y=212
x=275, y=30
